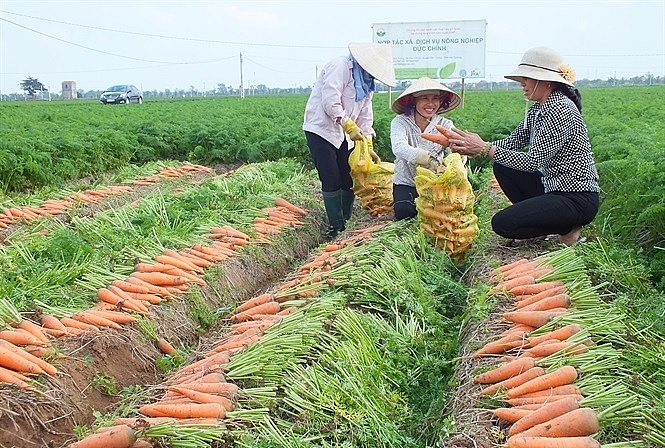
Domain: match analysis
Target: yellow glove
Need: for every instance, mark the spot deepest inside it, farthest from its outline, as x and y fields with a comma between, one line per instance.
x=351, y=128
x=370, y=147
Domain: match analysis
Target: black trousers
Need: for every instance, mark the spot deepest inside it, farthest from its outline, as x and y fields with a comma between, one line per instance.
x=404, y=202
x=535, y=213
x=332, y=164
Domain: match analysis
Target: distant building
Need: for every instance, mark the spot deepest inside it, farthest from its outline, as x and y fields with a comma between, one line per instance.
x=68, y=90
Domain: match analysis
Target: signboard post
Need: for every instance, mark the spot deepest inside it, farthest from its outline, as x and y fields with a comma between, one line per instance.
x=438, y=50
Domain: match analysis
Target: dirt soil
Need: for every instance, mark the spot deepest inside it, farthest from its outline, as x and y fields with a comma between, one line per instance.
x=99, y=366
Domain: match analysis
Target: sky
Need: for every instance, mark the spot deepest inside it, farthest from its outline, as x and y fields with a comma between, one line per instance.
x=185, y=45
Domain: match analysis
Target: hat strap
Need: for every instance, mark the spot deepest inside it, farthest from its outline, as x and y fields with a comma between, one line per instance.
x=540, y=66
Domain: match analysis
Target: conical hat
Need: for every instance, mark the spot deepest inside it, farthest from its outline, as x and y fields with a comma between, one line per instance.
x=376, y=59
x=424, y=85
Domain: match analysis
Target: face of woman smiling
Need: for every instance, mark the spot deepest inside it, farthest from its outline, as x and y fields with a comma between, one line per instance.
x=427, y=105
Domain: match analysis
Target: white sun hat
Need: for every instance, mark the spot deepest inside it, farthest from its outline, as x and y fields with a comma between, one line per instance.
x=543, y=64
x=425, y=86
x=375, y=59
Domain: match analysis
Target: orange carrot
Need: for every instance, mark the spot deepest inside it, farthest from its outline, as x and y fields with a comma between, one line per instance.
x=127, y=301
x=153, y=289
x=95, y=319
x=281, y=202
x=535, y=319
x=520, y=265
x=561, y=334
x=546, y=349
x=545, y=413
x=229, y=231
x=511, y=415
x=131, y=287
x=576, y=423
x=242, y=341
x=254, y=301
x=69, y=322
x=15, y=358
x=120, y=436
x=519, y=441
x=12, y=377
x=566, y=389
x=169, y=269
x=198, y=410
x=228, y=390
x=165, y=347
x=527, y=299
x=159, y=278
x=505, y=371
x=559, y=377
x=514, y=381
x=243, y=327
x=187, y=256
x=203, y=397
x=499, y=346
x=507, y=285
x=548, y=303
x=110, y=295
x=119, y=317
x=52, y=322
x=535, y=288
x=178, y=263
x=521, y=401
x=266, y=308
x=35, y=329
x=18, y=336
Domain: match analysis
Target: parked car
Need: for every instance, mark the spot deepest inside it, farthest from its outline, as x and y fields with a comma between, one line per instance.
x=121, y=94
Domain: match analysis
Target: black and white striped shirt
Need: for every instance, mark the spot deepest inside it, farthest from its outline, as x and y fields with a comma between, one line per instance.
x=556, y=143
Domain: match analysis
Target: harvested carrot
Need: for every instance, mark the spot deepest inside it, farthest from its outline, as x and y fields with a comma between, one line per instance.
x=171, y=270
x=535, y=319
x=576, y=423
x=18, y=336
x=120, y=436
x=131, y=287
x=228, y=390
x=505, y=371
x=254, y=301
x=159, y=278
x=556, y=301
x=281, y=202
x=527, y=299
x=519, y=441
x=188, y=257
x=127, y=301
x=562, y=375
x=535, y=288
x=561, y=334
x=12, y=377
x=154, y=289
x=35, y=329
x=203, y=397
x=511, y=415
x=546, y=349
x=545, y=413
x=522, y=401
x=507, y=285
x=69, y=322
x=119, y=317
x=198, y=410
x=165, y=347
x=95, y=319
x=229, y=231
x=11, y=360
x=266, y=308
x=512, y=340
x=514, y=381
x=566, y=389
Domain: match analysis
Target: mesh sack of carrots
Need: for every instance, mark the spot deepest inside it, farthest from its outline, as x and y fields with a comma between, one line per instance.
x=372, y=182
x=445, y=206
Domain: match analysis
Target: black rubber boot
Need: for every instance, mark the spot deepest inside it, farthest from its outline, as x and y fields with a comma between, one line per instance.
x=347, y=203
x=332, y=200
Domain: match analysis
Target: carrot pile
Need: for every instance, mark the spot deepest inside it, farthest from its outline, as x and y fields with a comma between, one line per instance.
x=544, y=406
x=372, y=182
x=172, y=173
x=284, y=214
x=445, y=206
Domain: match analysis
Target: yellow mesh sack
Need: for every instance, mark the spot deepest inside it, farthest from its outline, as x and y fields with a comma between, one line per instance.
x=372, y=182
x=445, y=206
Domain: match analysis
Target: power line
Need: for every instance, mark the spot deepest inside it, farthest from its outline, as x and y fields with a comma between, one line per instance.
x=161, y=36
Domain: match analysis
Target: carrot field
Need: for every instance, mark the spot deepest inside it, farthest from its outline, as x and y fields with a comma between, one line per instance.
x=164, y=283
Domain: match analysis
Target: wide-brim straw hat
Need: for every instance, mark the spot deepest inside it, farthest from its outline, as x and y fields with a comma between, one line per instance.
x=423, y=86
x=543, y=64
x=375, y=59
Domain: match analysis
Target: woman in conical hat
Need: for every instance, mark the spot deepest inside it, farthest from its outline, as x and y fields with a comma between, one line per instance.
x=338, y=112
x=545, y=166
x=419, y=110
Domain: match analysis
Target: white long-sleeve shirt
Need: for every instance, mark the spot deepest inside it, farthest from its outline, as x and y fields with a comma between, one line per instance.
x=334, y=95
x=405, y=140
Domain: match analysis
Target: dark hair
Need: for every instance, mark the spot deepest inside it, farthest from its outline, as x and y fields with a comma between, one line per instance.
x=571, y=92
